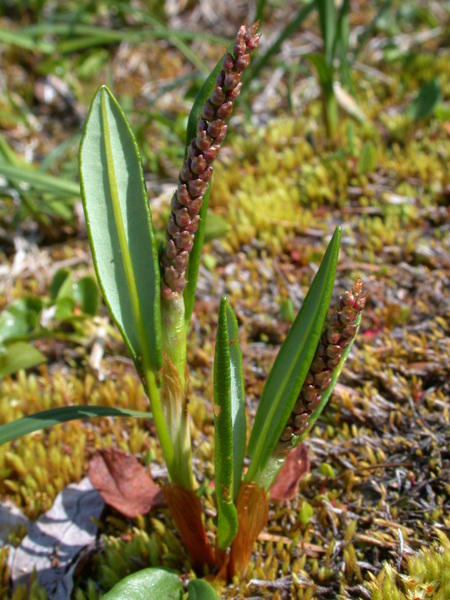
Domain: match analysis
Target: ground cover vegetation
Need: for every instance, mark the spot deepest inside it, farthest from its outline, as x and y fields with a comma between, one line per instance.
x=341, y=123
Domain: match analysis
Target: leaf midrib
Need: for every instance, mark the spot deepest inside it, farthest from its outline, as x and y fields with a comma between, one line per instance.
x=127, y=263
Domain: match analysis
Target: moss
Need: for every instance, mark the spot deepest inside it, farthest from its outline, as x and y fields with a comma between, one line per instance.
x=35, y=468
x=427, y=575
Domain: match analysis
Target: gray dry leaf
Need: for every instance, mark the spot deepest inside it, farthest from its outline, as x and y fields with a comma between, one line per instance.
x=55, y=541
x=10, y=519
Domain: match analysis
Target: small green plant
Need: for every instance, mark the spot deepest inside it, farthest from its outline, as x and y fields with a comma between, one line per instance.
x=62, y=316
x=150, y=296
x=335, y=35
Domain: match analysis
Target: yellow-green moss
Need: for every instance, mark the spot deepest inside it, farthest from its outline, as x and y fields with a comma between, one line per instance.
x=427, y=576
x=36, y=467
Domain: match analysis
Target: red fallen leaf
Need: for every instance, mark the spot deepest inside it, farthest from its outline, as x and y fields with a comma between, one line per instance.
x=253, y=513
x=123, y=482
x=186, y=511
x=295, y=466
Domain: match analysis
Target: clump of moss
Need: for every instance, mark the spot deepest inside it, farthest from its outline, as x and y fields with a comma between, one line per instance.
x=427, y=575
x=35, y=468
x=127, y=548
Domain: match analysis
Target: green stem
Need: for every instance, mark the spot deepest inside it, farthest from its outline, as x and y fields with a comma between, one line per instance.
x=330, y=111
x=174, y=352
x=149, y=374
x=158, y=417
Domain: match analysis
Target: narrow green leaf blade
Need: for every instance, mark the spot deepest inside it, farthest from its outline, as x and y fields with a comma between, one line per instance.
x=41, y=181
x=238, y=421
x=120, y=229
x=200, y=99
x=292, y=363
x=148, y=584
x=54, y=416
x=17, y=356
x=226, y=385
x=199, y=589
x=327, y=18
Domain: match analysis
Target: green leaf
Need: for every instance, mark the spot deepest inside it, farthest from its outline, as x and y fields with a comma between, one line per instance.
x=148, y=584
x=200, y=99
x=292, y=363
x=17, y=356
x=41, y=181
x=191, y=131
x=16, y=38
x=86, y=295
x=61, y=285
x=425, y=102
x=229, y=422
x=328, y=21
x=199, y=589
x=54, y=416
x=20, y=318
x=120, y=229
x=324, y=71
x=65, y=308
x=367, y=161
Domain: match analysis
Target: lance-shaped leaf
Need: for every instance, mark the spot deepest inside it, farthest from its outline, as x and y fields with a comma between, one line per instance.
x=191, y=132
x=229, y=422
x=149, y=584
x=292, y=363
x=54, y=416
x=120, y=228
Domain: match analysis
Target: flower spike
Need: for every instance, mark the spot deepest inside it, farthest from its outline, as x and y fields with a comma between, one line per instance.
x=197, y=169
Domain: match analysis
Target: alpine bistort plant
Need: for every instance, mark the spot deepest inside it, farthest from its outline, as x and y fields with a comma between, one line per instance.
x=151, y=296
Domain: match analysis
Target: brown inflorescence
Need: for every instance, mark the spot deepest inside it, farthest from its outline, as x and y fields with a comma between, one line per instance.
x=197, y=169
x=340, y=329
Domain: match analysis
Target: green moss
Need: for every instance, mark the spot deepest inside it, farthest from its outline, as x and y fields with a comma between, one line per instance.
x=35, y=468
x=427, y=575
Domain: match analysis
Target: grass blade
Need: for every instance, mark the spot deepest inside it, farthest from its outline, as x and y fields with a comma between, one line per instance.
x=327, y=20
x=22, y=40
x=292, y=363
x=48, y=418
x=120, y=228
x=41, y=181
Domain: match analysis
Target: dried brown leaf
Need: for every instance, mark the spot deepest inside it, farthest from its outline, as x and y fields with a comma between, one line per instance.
x=295, y=466
x=253, y=513
x=123, y=482
x=186, y=511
